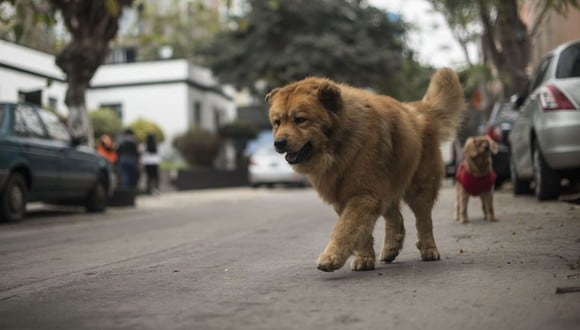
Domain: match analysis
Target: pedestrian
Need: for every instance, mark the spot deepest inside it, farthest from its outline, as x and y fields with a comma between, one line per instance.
x=106, y=148
x=150, y=160
x=128, y=157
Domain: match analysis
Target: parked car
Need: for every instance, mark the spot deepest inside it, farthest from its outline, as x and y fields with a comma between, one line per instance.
x=267, y=167
x=498, y=128
x=449, y=158
x=40, y=162
x=545, y=139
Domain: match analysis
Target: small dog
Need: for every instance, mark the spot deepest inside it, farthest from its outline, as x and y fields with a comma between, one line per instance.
x=475, y=177
x=365, y=153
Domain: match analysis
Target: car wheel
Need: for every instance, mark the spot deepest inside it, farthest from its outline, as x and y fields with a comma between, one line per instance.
x=13, y=198
x=520, y=187
x=547, y=180
x=97, y=199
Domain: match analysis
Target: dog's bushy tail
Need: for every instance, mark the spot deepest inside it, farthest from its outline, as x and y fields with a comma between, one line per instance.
x=446, y=102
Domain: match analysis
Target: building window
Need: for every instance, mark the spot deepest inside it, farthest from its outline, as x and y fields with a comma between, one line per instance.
x=121, y=55
x=52, y=103
x=196, y=120
x=217, y=118
x=116, y=107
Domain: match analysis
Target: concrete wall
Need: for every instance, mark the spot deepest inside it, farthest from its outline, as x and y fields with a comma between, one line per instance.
x=24, y=69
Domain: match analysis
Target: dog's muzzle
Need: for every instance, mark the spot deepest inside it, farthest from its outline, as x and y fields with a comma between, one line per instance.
x=293, y=157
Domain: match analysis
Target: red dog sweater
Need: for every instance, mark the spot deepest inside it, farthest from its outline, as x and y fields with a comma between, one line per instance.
x=474, y=185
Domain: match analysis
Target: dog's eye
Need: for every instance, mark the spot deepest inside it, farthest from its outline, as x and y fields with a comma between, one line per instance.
x=277, y=122
x=300, y=120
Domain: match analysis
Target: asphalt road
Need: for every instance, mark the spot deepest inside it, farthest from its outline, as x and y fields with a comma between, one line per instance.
x=245, y=259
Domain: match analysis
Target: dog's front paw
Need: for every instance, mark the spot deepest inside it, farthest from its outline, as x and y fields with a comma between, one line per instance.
x=328, y=262
x=388, y=255
x=463, y=220
x=362, y=263
x=430, y=254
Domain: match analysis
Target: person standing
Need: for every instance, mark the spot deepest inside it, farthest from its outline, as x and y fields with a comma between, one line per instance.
x=151, y=160
x=106, y=149
x=128, y=159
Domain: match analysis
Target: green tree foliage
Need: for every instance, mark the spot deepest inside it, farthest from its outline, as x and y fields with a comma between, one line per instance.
x=413, y=79
x=142, y=127
x=184, y=26
x=277, y=42
x=30, y=23
x=238, y=130
x=105, y=121
x=197, y=147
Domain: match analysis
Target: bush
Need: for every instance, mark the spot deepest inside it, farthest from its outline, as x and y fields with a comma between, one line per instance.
x=142, y=127
x=198, y=148
x=238, y=130
x=105, y=121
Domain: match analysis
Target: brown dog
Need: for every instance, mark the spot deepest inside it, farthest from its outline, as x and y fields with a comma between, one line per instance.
x=475, y=177
x=364, y=153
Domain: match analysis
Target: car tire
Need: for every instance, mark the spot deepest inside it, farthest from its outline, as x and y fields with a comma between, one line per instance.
x=547, y=181
x=520, y=186
x=97, y=199
x=13, y=198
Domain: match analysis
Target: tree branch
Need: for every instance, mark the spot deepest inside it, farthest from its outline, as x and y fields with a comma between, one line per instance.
x=488, y=34
x=539, y=19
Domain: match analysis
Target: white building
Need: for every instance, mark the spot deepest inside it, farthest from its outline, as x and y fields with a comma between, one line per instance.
x=175, y=94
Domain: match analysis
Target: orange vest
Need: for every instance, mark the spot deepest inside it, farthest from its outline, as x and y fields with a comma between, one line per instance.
x=110, y=155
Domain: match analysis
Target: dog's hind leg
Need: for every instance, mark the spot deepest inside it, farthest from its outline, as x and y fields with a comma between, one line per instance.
x=421, y=202
x=394, y=233
x=487, y=205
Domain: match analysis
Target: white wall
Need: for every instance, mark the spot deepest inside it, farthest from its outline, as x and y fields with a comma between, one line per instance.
x=140, y=72
x=162, y=91
x=36, y=71
x=163, y=104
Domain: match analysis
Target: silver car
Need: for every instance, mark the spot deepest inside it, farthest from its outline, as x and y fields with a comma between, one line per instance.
x=545, y=139
x=267, y=167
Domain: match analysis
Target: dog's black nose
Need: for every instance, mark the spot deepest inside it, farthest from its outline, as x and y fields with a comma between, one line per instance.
x=280, y=143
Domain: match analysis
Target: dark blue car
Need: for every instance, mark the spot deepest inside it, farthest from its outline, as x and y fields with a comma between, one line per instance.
x=40, y=162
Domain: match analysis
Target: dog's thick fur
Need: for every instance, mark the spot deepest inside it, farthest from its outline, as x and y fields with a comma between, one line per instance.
x=364, y=153
x=477, y=160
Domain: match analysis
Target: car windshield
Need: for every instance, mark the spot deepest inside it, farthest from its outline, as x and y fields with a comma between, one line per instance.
x=569, y=63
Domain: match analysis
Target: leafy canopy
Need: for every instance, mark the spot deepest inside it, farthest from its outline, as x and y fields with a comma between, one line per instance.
x=278, y=42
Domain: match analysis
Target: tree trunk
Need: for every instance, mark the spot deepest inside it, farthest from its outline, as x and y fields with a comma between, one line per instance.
x=92, y=25
x=79, y=61
x=507, y=42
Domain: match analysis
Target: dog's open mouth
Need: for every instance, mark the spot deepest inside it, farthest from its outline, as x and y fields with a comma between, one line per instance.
x=301, y=155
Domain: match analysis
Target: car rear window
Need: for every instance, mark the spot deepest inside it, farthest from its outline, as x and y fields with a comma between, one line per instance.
x=569, y=63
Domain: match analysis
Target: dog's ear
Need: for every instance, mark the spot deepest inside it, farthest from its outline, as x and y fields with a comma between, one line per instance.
x=469, y=148
x=329, y=96
x=492, y=145
x=273, y=92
